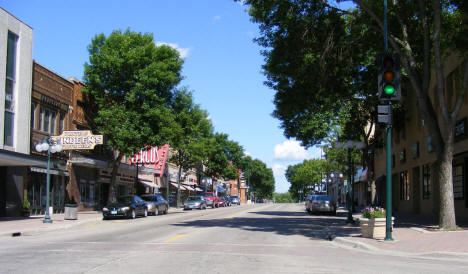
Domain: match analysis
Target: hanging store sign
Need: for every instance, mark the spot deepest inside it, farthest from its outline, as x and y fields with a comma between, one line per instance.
x=155, y=157
x=78, y=139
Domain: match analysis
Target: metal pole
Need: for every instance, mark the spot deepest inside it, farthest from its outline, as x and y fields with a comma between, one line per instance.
x=47, y=215
x=350, y=213
x=385, y=27
x=388, y=226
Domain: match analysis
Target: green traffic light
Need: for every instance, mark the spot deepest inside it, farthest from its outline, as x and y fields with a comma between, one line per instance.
x=389, y=89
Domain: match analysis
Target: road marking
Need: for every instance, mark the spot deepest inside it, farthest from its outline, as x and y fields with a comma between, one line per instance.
x=175, y=238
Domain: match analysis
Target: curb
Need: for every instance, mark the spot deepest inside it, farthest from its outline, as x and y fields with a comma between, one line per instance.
x=354, y=244
x=35, y=231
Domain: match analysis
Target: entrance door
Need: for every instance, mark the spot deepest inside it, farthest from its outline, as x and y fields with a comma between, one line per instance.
x=416, y=190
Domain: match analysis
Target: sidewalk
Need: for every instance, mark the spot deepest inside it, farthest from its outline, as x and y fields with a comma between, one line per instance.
x=34, y=224
x=415, y=235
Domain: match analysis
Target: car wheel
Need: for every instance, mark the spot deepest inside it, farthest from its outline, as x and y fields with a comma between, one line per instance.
x=204, y=207
x=133, y=214
x=156, y=211
x=165, y=210
x=217, y=205
x=145, y=213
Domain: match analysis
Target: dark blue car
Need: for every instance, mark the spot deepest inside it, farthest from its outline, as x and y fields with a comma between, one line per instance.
x=129, y=206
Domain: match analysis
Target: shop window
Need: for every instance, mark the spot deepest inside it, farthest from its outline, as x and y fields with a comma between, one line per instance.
x=404, y=186
x=426, y=182
x=415, y=150
x=430, y=147
x=458, y=192
x=403, y=156
x=83, y=191
x=62, y=122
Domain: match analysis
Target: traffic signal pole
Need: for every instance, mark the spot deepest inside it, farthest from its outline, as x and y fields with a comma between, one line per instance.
x=388, y=202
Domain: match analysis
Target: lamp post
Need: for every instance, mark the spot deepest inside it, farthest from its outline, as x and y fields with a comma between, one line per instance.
x=51, y=146
x=349, y=145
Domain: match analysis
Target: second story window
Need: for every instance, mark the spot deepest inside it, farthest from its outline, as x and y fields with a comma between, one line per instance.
x=9, y=89
x=47, y=120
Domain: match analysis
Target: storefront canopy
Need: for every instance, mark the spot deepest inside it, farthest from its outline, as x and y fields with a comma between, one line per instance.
x=11, y=158
x=181, y=186
x=147, y=183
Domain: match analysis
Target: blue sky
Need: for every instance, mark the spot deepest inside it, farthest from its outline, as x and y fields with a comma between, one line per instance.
x=222, y=63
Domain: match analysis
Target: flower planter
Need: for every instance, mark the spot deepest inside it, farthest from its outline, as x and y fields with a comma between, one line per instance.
x=71, y=212
x=373, y=228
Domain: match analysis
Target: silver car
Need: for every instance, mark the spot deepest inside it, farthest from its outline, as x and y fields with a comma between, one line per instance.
x=196, y=201
x=321, y=203
x=235, y=200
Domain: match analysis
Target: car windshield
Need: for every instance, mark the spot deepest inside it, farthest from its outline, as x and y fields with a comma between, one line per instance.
x=149, y=198
x=125, y=200
x=234, y=197
x=321, y=198
x=194, y=198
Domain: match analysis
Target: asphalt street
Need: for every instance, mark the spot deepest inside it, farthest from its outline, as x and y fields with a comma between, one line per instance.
x=261, y=238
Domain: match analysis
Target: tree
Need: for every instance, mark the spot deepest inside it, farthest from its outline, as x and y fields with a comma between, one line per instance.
x=305, y=174
x=334, y=49
x=224, y=159
x=130, y=82
x=190, y=133
x=282, y=197
x=260, y=179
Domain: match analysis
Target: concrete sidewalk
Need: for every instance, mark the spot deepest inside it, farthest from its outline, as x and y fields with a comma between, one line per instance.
x=414, y=235
x=34, y=224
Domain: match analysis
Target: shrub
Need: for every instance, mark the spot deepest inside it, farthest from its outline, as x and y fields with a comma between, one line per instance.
x=373, y=212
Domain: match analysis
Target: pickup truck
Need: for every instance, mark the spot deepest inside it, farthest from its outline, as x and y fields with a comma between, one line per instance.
x=211, y=199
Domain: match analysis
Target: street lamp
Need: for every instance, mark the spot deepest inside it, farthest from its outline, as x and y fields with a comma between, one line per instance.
x=52, y=147
x=349, y=145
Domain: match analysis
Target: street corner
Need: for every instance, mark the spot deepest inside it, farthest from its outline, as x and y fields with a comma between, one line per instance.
x=353, y=242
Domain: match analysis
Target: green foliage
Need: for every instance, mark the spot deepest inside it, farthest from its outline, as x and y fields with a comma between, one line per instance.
x=191, y=132
x=130, y=83
x=260, y=179
x=305, y=174
x=224, y=158
x=26, y=203
x=283, y=197
x=373, y=212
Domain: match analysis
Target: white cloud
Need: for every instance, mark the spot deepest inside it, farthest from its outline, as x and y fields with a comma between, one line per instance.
x=248, y=154
x=291, y=150
x=184, y=52
x=278, y=170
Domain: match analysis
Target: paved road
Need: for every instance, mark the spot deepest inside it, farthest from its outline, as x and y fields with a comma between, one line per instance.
x=265, y=238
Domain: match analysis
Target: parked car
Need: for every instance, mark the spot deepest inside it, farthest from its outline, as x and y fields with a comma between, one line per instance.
x=211, y=199
x=223, y=202
x=195, y=201
x=235, y=200
x=129, y=206
x=321, y=203
x=228, y=200
x=156, y=204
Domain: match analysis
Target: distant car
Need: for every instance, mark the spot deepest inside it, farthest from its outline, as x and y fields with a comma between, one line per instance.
x=156, y=204
x=211, y=199
x=129, y=206
x=235, y=200
x=223, y=202
x=322, y=204
x=196, y=201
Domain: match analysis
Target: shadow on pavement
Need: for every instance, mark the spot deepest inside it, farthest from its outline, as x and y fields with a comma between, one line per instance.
x=287, y=223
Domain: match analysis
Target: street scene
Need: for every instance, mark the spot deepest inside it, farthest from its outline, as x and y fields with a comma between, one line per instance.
x=243, y=136
x=260, y=238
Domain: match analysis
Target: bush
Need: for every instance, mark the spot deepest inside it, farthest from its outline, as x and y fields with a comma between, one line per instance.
x=26, y=203
x=373, y=212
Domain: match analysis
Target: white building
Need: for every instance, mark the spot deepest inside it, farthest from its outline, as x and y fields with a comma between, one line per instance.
x=16, y=42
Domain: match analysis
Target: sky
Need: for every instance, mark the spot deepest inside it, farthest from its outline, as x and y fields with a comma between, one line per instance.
x=223, y=65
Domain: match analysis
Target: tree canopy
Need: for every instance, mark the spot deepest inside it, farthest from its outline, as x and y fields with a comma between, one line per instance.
x=130, y=82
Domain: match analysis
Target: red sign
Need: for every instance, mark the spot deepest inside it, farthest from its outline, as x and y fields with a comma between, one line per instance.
x=152, y=158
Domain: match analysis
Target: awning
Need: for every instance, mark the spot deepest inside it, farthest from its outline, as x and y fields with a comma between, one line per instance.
x=147, y=183
x=198, y=189
x=11, y=158
x=189, y=188
x=181, y=186
x=53, y=171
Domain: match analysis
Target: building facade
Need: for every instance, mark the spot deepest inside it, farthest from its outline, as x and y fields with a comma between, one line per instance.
x=413, y=189
x=16, y=41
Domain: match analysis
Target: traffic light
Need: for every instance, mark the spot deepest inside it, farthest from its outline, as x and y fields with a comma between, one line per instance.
x=389, y=77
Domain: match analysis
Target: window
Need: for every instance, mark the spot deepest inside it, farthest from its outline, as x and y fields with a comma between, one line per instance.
x=33, y=114
x=47, y=120
x=458, y=182
x=426, y=182
x=62, y=122
x=404, y=186
x=9, y=89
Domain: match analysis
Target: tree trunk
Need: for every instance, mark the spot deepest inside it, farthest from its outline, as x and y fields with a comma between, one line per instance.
x=115, y=167
x=447, y=207
x=178, y=185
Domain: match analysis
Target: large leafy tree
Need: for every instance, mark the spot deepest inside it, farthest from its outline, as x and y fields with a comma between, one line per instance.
x=260, y=178
x=305, y=174
x=191, y=132
x=320, y=58
x=130, y=82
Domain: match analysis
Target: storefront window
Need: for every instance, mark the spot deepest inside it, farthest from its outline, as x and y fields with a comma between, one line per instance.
x=404, y=186
x=426, y=182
